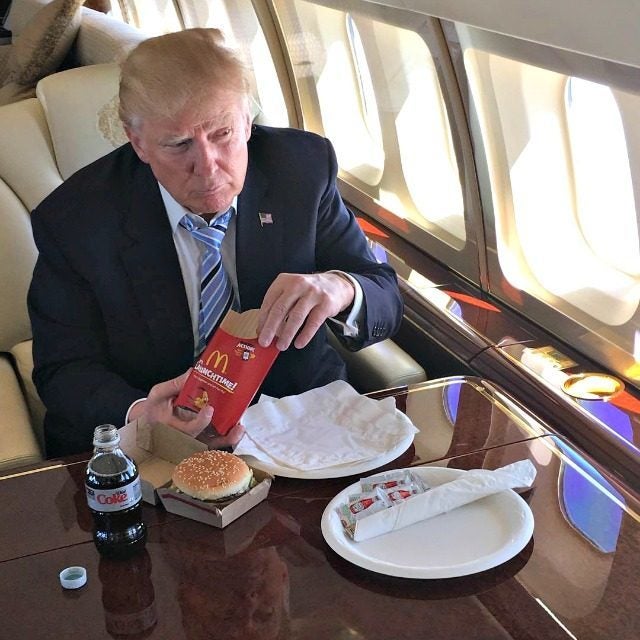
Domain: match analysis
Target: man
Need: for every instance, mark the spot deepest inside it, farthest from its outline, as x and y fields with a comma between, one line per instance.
x=115, y=301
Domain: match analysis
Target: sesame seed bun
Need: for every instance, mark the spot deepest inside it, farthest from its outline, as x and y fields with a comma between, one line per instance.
x=212, y=475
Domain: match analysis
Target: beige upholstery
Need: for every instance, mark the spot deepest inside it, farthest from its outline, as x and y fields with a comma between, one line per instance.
x=18, y=255
x=383, y=365
x=72, y=123
x=39, y=48
x=18, y=440
x=21, y=12
x=23, y=364
x=4, y=52
x=83, y=124
x=102, y=38
x=18, y=445
x=27, y=163
x=28, y=173
x=43, y=140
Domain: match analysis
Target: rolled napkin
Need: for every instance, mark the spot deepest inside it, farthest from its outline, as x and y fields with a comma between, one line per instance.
x=325, y=427
x=469, y=487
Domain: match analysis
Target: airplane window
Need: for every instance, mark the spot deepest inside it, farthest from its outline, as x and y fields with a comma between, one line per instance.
x=330, y=73
x=116, y=11
x=154, y=18
x=428, y=162
x=373, y=89
x=238, y=20
x=366, y=91
x=602, y=174
x=563, y=223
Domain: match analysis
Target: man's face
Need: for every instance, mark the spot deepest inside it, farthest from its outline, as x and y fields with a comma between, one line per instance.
x=200, y=155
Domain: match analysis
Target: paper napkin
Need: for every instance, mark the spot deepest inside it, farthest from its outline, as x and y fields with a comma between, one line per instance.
x=469, y=487
x=325, y=427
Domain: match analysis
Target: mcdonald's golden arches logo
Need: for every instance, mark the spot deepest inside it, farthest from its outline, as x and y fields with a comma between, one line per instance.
x=220, y=359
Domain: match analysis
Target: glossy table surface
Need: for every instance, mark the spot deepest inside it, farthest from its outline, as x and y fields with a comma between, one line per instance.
x=270, y=574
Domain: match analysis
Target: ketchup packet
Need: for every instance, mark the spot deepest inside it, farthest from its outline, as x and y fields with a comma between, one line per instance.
x=387, y=480
x=359, y=506
x=229, y=371
x=362, y=504
x=379, y=492
x=403, y=491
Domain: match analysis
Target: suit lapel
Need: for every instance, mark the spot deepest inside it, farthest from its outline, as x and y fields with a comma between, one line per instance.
x=259, y=238
x=151, y=262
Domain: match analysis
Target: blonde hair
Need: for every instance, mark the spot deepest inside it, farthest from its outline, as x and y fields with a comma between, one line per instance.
x=163, y=74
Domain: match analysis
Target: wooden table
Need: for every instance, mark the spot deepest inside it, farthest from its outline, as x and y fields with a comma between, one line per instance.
x=270, y=574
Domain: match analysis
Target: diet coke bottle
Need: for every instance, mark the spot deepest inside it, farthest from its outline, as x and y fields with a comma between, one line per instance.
x=114, y=496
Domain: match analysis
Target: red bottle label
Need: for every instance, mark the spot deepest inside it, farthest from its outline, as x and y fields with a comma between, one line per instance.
x=115, y=499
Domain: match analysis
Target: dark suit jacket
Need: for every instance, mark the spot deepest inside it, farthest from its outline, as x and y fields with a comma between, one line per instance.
x=107, y=302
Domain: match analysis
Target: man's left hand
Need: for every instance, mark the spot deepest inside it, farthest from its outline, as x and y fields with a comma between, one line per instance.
x=301, y=303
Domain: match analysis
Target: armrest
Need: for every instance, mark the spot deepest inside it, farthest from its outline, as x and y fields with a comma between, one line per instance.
x=379, y=366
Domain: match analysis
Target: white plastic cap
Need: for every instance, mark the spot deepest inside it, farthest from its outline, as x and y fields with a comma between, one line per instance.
x=73, y=577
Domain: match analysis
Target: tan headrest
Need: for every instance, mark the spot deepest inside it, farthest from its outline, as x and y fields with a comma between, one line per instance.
x=27, y=163
x=81, y=109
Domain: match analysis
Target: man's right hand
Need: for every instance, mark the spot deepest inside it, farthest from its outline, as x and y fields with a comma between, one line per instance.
x=158, y=407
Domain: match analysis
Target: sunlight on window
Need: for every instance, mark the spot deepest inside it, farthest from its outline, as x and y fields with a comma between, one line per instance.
x=426, y=149
x=367, y=94
x=154, y=18
x=542, y=205
x=390, y=200
x=547, y=243
x=238, y=21
x=273, y=110
x=604, y=189
x=357, y=151
x=633, y=371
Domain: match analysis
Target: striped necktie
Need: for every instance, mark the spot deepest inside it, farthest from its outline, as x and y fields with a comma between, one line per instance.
x=216, y=292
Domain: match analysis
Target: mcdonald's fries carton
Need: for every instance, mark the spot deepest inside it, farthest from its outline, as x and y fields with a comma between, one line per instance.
x=229, y=371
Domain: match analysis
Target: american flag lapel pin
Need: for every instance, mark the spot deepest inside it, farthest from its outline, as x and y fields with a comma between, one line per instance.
x=265, y=218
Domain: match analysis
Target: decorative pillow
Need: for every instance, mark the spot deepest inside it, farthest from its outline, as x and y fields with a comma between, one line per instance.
x=14, y=92
x=4, y=58
x=40, y=48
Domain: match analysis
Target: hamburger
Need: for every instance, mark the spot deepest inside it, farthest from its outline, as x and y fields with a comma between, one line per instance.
x=212, y=475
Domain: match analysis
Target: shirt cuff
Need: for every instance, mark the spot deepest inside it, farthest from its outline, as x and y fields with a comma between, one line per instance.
x=350, y=325
x=133, y=404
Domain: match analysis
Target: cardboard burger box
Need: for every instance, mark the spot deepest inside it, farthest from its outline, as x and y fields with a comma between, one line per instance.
x=157, y=449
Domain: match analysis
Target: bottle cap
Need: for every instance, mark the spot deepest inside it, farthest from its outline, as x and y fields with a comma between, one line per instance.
x=73, y=577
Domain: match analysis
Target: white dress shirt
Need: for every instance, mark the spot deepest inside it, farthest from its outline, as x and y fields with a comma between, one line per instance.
x=190, y=254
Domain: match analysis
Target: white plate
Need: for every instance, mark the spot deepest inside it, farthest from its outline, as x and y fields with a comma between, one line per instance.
x=337, y=471
x=467, y=540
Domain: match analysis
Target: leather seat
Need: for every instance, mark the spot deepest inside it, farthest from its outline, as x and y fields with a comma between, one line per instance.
x=43, y=140
x=383, y=365
x=20, y=423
